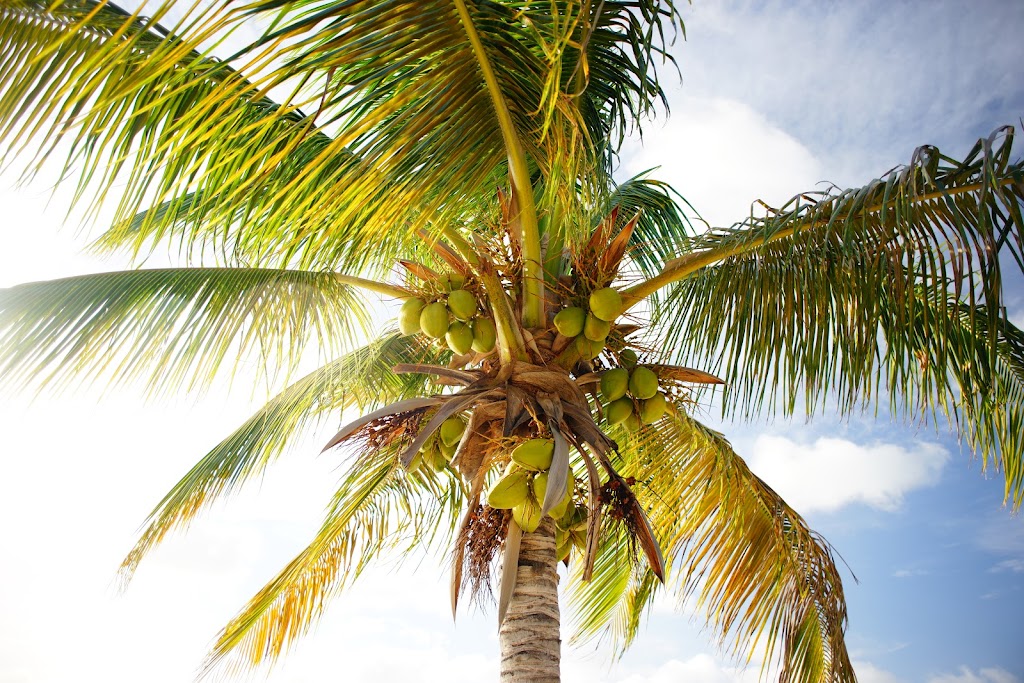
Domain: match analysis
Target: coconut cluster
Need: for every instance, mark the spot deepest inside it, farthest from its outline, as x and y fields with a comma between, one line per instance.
x=453, y=316
x=590, y=327
x=439, y=449
x=632, y=393
x=521, y=489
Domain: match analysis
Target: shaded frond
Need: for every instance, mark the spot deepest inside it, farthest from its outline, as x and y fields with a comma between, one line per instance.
x=361, y=379
x=172, y=328
x=377, y=509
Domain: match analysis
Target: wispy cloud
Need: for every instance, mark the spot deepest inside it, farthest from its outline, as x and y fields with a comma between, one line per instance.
x=1015, y=565
x=983, y=675
x=908, y=573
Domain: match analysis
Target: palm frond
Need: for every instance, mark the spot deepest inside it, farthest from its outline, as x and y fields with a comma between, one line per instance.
x=759, y=573
x=623, y=43
x=663, y=229
x=362, y=379
x=814, y=303
x=611, y=604
x=377, y=509
x=941, y=363
x=173, y=328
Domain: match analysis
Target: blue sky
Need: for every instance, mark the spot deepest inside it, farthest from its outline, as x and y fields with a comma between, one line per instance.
x=775, y=98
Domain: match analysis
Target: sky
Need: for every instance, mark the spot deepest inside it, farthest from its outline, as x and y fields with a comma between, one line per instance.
x=776, y=97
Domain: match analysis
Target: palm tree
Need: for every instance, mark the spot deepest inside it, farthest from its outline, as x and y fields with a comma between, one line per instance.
x=535, y=403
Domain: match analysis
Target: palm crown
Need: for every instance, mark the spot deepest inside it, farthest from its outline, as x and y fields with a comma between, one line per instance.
x=535, y=403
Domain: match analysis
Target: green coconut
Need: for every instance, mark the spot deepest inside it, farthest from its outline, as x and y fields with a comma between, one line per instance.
x=409, y=316
x=451, y=431
x=653, y=408
x=527, y=515
x=459, y=338
x=619, y=410
x=632, y=422
x=596, y=329
x=484, y=335
x=540, y=489
x=606, y=303
x=535, y=454
x=462, y=304
x=628, y=358
x=452, y=281
x=509, y=491
x=434, y=320
x=569, y=321
x=643, y=383
x=415, y=463
x=614, y=383
x=448, y=451
x=588, y=349
x=434, y=458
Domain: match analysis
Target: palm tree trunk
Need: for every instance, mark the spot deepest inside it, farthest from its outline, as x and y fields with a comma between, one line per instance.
x=530, y=643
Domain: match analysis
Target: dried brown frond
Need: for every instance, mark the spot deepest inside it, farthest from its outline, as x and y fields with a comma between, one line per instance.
x=398, y=430
x=482, y=537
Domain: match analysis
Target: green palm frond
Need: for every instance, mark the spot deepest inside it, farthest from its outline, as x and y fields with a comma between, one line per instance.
x=361, y=379
x=624, y=43
x=663, y=229
x=377, y=509
x=759, y=573
x=172, y=328
x=941, y=361
x=760, y=576
x=615, y=599
x=810, y=304
x=402, y=132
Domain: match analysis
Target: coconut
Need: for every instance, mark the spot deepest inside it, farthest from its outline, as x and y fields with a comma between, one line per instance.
x=540, y=488
x=614, y=383
x=653, y=408
x=606, y=303
x=588, y=349
x=448, y=451
x=434, y=458
x=462, y=304
x=459, y=338
x=409, y=316
x=452, y=281
x=619, y=410
x=643, y=383
x=627, y=357
x=484, y=335
x=434, y=320
x=527, y=515
x=509, y=491
x=534, y=454
x=596, y=329
x=569, y=321
x=451, y=431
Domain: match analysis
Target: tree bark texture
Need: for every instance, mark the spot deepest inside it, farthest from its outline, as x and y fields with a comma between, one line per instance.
x=530, y=642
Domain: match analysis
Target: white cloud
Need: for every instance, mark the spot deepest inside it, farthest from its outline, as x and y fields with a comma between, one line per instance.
x=984, y=675
x=722, y=155
x=1015, y=565
x=832, y=473
x=908, y=573
x=869, y=673
x=702, y=668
